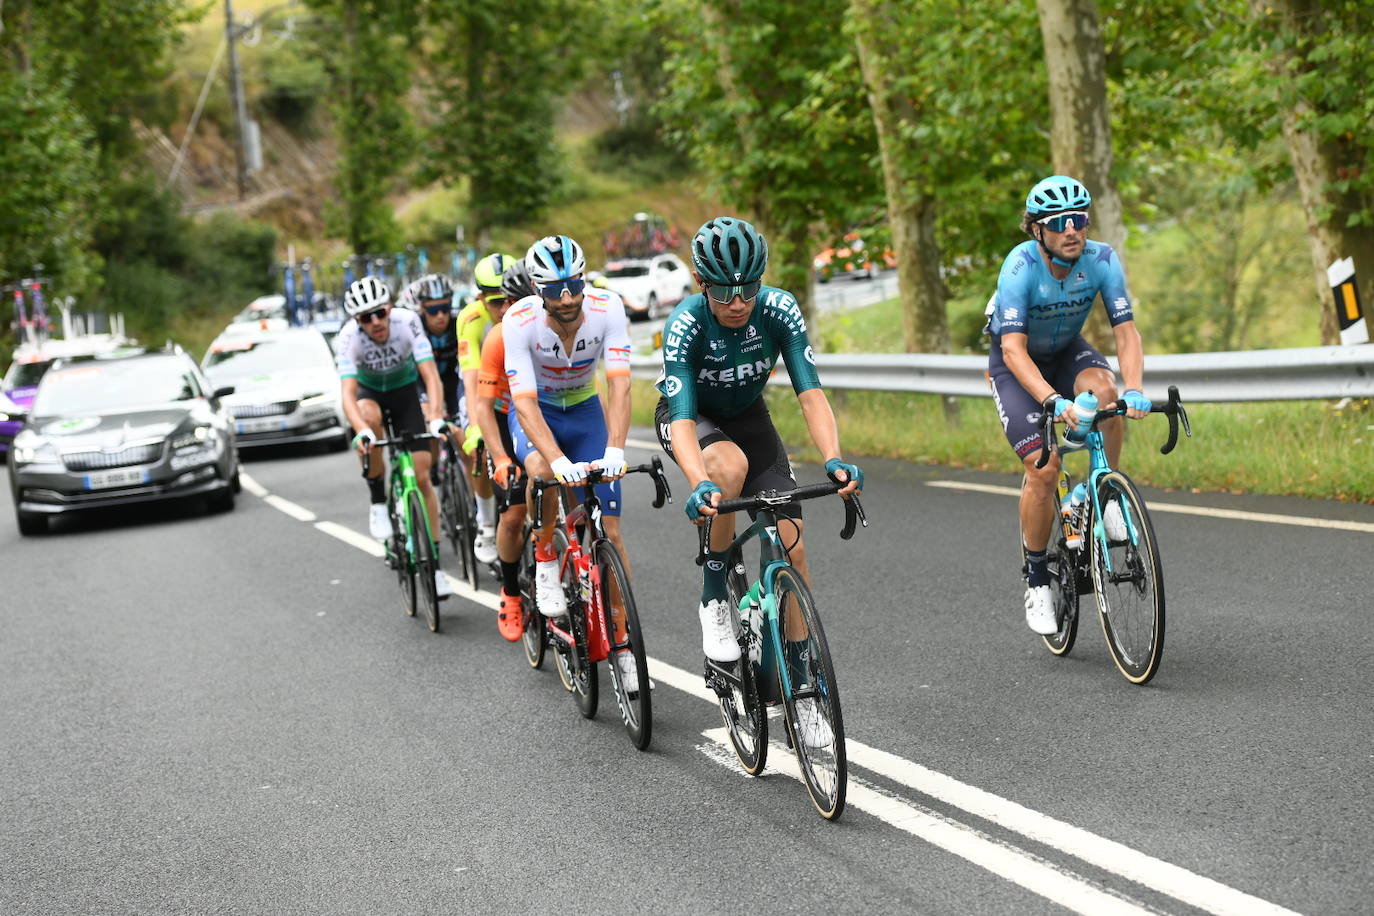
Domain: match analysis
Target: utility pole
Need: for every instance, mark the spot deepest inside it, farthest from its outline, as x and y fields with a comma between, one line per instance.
x=236, y=98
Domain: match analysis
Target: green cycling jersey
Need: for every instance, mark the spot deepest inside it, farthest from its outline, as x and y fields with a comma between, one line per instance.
x=720, y=370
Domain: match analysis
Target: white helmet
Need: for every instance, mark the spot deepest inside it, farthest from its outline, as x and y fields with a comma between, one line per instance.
x=365, y=295
x=554, y=257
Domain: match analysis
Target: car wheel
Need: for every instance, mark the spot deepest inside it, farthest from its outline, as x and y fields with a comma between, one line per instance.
x=31, y=523
x=223, y=501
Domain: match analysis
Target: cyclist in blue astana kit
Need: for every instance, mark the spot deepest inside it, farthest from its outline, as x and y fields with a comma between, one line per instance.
x=381, y=353
x=1039, y=361
x=718, y=350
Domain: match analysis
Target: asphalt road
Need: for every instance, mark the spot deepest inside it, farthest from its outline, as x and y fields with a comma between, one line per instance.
x=231, y=713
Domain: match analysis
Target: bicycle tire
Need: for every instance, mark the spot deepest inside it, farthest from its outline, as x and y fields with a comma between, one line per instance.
x=824, y=768
x=405, y=566
x=636, y=711
x=577, y=672
x=1063, y=568
x=1132, y=617
x=534, y=637
x=448, y=498
x=426, y=564
x=468, y=509
x=743, y=713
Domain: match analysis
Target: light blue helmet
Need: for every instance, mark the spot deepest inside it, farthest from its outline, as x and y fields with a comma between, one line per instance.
x=553, y=258
x=729, y=251
x=1057, y=194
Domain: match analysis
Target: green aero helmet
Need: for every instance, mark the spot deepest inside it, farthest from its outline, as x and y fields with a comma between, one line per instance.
x=488, y=272
x=729, y=251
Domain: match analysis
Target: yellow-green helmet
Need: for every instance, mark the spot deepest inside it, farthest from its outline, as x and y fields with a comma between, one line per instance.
x=488, y=272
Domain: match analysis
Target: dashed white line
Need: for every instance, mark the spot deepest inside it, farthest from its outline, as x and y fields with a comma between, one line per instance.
x=299, y=513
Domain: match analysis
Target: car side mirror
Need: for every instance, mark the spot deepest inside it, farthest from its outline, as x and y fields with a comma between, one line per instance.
x=224, y=391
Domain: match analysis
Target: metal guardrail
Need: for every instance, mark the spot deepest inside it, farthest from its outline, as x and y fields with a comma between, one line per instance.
x=1300, y=374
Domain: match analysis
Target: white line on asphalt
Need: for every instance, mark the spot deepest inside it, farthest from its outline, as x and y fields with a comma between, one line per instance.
x=251, y=485
x=1237, y=514
x=1002, y=859
x=1179, y=883
x=645, y=444
x=299, y=513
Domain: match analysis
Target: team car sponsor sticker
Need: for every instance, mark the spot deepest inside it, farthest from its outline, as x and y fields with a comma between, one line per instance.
x=70, y=427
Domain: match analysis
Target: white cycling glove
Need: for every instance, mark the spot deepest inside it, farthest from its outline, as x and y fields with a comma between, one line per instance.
x=364, y=440
x=566, y=471
x=613, y=462
x=437, y=427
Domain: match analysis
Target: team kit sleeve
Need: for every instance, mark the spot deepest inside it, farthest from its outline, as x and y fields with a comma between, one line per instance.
x=617, y=341
x=420, y=347
x=491, y=374
x=1114, y=294
x=471, y=323
x=1013, y=293
x=790, y=327
x=347, y=361
x=681, y=344
x=519, y=366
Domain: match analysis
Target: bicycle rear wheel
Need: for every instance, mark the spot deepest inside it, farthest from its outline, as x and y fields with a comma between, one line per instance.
x=812, y=703
x=426, y=563
x=636, y=710
x=449, y=522
x=1129, y=581
x=1063, y=567
x=466, y=514
x=402, y=560
x=743, y=712
x=575, y=670
x=534, y=636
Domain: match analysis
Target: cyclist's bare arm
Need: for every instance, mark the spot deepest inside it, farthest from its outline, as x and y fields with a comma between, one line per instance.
x=820, y=423
x=683, y=436
x=484, y=414
x=1130, y=355
x=348, y=395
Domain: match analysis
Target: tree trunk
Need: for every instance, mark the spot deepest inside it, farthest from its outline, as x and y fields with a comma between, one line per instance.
x=1080, y=121
x=790, y=254
x=910, y=211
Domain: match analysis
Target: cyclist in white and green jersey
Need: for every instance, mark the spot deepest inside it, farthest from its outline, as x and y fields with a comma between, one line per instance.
x=381, y=355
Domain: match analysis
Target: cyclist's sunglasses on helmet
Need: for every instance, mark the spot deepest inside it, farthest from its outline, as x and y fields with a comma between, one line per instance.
x=745, y=291
x=555, y=290
x=1079, y=219
x=366, y=317
x=439, y=307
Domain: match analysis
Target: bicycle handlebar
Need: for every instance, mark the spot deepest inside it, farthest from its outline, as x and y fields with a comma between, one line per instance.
x=397, y=442
x=1171, y=408
x=654, y=468
x=853, y=509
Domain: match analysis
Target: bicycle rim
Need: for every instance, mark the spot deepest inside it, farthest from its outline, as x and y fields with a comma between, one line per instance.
x=1129, y=582
x=405, y=565
x=467, y=524
x=812, y=677
x=448, y=503
x=534, y=636
x=1063, y=567
x=426, y=566
x=632, y=698
x=743, y=712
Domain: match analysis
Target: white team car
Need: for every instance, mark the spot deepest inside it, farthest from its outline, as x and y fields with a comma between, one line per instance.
x=650, y=286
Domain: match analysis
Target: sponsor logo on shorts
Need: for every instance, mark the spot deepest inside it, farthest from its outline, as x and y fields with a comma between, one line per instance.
x=1034, y=416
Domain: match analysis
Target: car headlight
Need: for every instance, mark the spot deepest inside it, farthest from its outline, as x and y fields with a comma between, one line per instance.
x=33, y=449
x=315, y=406
x=194, y=439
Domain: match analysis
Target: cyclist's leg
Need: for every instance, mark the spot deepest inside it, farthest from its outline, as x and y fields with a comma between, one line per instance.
x=1088, y=370
x=511, y=524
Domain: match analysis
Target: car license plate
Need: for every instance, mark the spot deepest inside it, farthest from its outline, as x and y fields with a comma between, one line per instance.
x=118, y=478
x=261, y=426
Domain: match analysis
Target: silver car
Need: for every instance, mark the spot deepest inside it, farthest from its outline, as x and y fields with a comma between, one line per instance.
x=286, y=389
x=125, y=428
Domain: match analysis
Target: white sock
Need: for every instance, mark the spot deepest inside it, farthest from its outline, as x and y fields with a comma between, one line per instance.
x=486, y=508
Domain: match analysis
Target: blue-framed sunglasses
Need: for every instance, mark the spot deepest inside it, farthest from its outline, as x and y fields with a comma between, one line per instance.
x=444, y=307
x=745, y=291
x=1061, y=221
x=555, y=290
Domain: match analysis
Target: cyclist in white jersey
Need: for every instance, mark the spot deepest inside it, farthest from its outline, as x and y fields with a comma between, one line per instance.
x=381, y=353
x=554, y=341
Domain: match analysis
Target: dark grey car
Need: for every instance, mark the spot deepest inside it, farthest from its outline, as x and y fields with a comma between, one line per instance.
x=122, y=429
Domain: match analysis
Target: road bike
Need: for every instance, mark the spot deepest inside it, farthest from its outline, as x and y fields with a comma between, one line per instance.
x=457, y=511
x=411, y=551
x=602, y=619
x=784, y=656
x=1123, y=573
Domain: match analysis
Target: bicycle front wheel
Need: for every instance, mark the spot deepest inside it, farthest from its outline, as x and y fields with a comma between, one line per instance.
x=466, y=515
x=401, y=556
x=534, y=636
x=426, y=563
x=810, y=695
x=743, y=711
x=1128, y=578
x=632, y=697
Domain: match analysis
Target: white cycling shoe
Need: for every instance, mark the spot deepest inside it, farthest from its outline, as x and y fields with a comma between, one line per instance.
x=815, y=731
x=379, y=522
x=484, y=545
x=1114, y=523
x=548, y=591
x=718, y=631
x=441, y=586
x=1040, y=610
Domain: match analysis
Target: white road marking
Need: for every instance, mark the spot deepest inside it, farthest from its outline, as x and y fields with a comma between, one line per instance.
x=1236, y=514
x=644, y=444
x=1015, y=865
x=1007, y=862
x=299, y=513
x=251, y=485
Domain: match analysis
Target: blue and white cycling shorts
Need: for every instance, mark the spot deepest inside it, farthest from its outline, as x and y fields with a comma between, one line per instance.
x=1019, y=412
x=580, y=431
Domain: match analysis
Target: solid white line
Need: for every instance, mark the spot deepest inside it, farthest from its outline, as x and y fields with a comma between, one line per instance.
x=644, y=444
x=1177, y=509
x=1176, y=882
x=299, y=513
x=251, y=485
x=1015, y=865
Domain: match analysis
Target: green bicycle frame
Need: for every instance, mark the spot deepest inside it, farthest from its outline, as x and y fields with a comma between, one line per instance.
x=402, y=485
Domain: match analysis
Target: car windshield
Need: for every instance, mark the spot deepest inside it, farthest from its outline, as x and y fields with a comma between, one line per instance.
x=627, y=270
x=247, y=358
x=96, y=385
x=26, y=375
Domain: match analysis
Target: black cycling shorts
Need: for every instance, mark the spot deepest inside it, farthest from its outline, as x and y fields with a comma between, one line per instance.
x=754, y=433
x=1019, y=412
x=401, y=412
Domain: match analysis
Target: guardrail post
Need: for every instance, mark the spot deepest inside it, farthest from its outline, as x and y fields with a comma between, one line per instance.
x=1349, y=315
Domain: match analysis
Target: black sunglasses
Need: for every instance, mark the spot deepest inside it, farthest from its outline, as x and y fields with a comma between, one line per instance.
x=366, y=317
x=444, y=309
